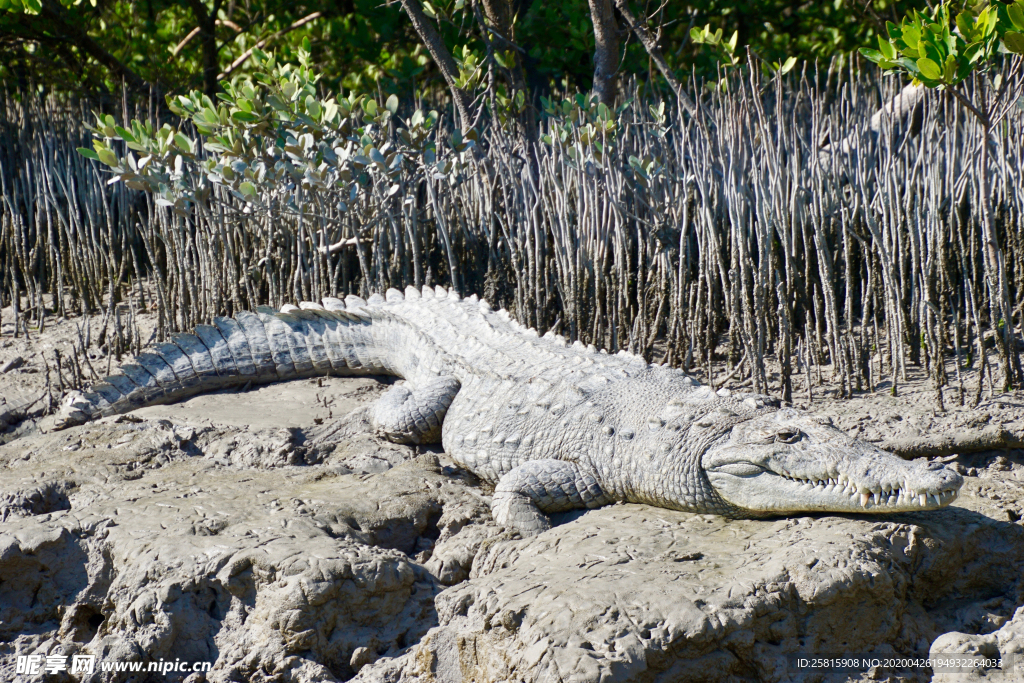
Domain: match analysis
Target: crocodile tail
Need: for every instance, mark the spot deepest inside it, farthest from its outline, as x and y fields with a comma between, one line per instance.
x=261, y=347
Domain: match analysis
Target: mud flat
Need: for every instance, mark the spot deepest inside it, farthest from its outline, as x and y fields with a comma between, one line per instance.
x=269, y=533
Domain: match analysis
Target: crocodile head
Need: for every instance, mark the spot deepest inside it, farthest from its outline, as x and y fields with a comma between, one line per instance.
x=789, y=461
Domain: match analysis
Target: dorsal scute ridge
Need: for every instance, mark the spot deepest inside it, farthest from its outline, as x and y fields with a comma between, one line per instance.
x=288, y=308
x=310, y=306
x=324, y=314
x=333, y=304
x=466, y=319
x=305, y=313
x=553, y=340
x=452, y=315
x=358, y=313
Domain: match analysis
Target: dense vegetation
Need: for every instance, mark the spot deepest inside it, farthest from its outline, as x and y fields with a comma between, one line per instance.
x=779, y=218
x=356, y=44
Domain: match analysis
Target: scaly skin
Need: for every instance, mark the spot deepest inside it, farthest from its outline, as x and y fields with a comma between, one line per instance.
x=552, y=426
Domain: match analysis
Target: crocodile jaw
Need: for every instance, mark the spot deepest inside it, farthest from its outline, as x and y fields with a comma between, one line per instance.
x=791, y=462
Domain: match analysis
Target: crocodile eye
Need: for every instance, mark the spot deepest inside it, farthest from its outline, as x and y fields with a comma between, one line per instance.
x=787, y=436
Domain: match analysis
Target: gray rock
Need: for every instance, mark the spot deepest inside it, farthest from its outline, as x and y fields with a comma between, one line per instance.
x=632, y=593
x=157, y=552
x=12, y=364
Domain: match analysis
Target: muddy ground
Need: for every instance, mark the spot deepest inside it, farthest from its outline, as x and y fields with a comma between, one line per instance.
x=268, y=532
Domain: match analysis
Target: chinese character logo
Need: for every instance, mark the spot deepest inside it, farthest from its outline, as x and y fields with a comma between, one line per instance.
x=83, y=664
x=56, y=662
x=29, y=665
x=53, y=663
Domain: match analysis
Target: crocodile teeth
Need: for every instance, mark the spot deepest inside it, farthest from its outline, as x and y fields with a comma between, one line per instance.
x=864, y=498
x=922, y=500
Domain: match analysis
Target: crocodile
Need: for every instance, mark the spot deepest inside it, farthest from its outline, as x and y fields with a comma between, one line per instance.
x=553, y=426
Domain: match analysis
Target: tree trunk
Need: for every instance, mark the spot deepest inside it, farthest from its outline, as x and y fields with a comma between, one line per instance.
x=650, y=43
x=906, y=104
x=444, y=60
x=606, y=51
x=211, y=63
x=501, y=32
x=206, y=20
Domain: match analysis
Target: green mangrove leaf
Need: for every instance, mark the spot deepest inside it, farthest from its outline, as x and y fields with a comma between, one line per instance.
x=929, y=69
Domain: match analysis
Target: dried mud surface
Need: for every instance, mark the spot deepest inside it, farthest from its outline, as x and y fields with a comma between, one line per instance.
x=270, y=533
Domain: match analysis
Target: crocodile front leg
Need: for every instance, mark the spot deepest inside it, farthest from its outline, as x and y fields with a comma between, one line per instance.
x=526, y=495
x=413, y=413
